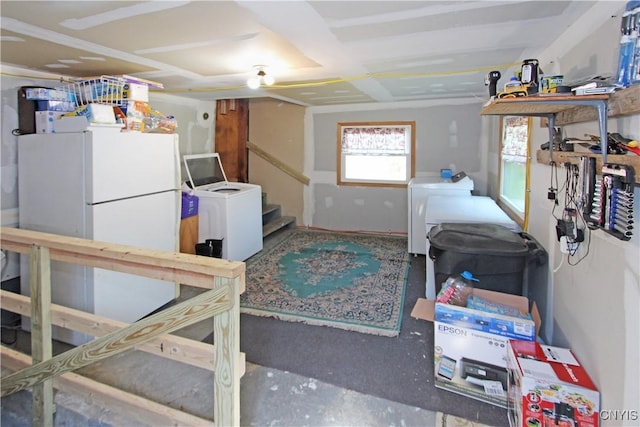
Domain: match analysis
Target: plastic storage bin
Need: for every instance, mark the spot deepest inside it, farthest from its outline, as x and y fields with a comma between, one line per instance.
x=497, y=256
x=189, y=205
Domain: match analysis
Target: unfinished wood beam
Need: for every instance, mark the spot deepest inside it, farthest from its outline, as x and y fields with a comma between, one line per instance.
x=226, y=330
x=132, y=406
x=620, y=103
x=41, y=340
x=210, y=303
x=172, y=347
x=164, y=265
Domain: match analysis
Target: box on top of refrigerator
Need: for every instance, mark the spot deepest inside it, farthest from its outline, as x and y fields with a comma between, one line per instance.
x=548, y=387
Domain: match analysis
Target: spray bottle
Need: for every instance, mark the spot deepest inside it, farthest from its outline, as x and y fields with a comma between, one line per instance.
x=627, y=46
x=635, y=62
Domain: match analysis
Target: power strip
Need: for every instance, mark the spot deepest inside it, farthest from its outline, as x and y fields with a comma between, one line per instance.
x=567, y=247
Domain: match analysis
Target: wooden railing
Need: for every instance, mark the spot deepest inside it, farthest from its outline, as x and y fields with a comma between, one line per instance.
x=224, y=280
x=277, y=163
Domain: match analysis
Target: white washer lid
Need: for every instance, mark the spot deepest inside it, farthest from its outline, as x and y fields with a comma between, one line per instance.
x=437, y=183
x=204, y=170
x=466, y=209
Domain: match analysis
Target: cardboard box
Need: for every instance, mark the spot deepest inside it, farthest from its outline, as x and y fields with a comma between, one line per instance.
x=136, y=92
x=47, y=94
x=81, y=124
x=470, y=346
x=549, y=387
x=62, y=106
x=95, y=113
x=189, y=234
x=45, y=121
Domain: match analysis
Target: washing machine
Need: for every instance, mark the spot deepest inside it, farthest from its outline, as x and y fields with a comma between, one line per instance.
x=420, y=189
x=457, y=209
x=227, y=211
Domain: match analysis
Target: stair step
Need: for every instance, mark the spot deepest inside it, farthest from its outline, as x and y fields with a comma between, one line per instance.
x=278, y=224
x=270, y=213
x=269, y=208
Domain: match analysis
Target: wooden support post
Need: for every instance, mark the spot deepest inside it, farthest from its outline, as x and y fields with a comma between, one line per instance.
x=41, y=344
x=226, y=336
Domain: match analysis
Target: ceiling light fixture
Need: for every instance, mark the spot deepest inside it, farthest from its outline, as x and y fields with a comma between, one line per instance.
x=260, y=79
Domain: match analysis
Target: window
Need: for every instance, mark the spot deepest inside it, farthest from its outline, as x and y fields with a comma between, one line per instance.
x=514, y=167
x=376, y=154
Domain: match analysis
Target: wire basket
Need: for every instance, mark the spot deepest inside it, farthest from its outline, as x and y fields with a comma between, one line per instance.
x=100, y=90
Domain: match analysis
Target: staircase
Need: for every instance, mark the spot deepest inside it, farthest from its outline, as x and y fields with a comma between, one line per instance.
x=272, y=219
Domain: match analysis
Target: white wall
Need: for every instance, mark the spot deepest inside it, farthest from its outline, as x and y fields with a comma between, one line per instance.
x=448, y=135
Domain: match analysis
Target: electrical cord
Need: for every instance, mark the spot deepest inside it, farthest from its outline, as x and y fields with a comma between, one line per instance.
x=553, y=189
x=558, y=190
x=588, y=240
x=573, y=204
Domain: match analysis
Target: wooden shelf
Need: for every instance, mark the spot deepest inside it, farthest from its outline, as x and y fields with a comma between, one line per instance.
x=560, y=157
x=567, y=109
x=621, y=103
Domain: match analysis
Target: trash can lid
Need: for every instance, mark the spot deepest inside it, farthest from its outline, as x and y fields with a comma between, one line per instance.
x=478, y=238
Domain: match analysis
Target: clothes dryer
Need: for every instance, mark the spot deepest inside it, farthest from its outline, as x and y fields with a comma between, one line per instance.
x=420, y=189
x=227, y=211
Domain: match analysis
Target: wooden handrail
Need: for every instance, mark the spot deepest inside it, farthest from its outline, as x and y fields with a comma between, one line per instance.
x=224, y=279
x=170, y=266
x=278, y=164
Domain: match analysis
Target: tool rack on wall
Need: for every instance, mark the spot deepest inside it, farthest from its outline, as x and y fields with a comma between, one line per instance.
x=617, y=174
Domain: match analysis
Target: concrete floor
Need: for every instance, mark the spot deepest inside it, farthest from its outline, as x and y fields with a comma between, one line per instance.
x=268, y=398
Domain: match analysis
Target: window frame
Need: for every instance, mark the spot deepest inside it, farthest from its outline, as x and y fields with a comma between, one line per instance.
x=521, y=219
x=409, y=126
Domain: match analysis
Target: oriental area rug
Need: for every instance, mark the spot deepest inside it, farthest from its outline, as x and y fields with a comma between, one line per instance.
x=350, y=281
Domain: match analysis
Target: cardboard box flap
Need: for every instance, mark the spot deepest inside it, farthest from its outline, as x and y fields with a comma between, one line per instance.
x=424, y=310
x=535, y=315
x=515, y=301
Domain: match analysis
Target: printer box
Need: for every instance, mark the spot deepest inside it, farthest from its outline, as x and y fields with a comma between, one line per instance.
x=549, y=387
x=136, y=92
x=470, y=346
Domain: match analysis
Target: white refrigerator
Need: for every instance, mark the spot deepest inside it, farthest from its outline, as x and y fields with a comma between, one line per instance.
x=108, y=186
